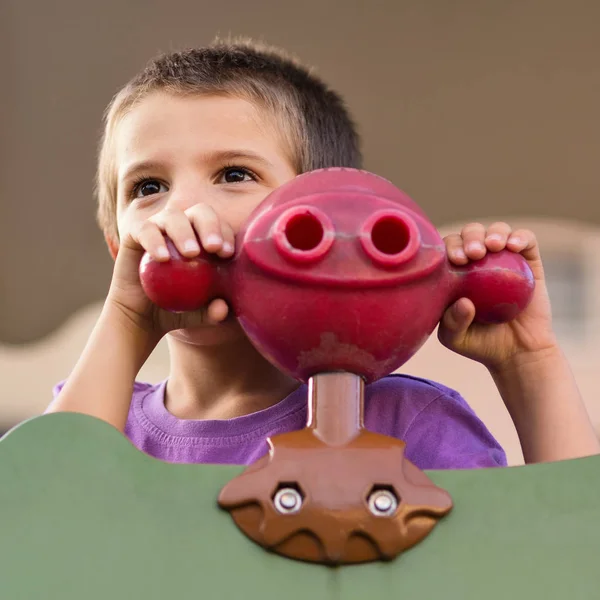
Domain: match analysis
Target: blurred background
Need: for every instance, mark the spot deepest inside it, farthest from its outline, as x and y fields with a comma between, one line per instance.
x=478, y=109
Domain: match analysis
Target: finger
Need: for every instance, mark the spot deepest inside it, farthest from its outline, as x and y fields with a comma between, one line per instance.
x=454, y=249
x=497, y=235
x=228, y=247
x=178, y=228
x=473, y=236
x=524, y=242
x=149, y=236
x=207, y=225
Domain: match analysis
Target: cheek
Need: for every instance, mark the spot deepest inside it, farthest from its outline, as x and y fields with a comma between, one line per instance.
x=238, y=211
x=136, y=212
x=127, y=217
x=122, y=221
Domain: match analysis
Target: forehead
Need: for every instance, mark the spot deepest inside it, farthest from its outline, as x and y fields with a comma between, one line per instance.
x=168, y=123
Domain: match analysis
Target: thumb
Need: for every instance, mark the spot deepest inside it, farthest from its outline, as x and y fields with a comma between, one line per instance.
x=216, y=312
x=456, y=321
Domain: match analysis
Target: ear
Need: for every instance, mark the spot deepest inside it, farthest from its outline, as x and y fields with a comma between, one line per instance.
x=113, y=245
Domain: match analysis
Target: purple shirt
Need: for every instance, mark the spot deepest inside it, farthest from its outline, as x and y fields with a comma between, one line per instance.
x=441, y=431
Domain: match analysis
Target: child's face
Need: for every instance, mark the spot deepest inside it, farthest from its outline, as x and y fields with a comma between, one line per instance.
x=175, y=152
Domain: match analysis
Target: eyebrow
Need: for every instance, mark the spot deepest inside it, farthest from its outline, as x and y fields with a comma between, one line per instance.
x=217, y=156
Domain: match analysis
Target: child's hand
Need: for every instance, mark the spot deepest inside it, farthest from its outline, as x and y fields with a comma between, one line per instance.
x=184, y=229
x=497, y=346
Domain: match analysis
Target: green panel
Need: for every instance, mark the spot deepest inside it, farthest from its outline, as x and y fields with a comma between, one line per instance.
x=84, y=515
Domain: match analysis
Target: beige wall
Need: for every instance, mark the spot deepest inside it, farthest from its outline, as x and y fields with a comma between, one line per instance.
x=476, y=109
x=473, y=107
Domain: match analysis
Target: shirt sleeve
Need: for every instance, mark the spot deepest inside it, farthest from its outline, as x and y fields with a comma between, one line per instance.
x=447, y=434
x=55, y=391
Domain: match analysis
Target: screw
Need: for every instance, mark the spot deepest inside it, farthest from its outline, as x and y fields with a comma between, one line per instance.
x=287, y=501
x=383, y=503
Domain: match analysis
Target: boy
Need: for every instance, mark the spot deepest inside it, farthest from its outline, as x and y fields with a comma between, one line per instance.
x=192, y=145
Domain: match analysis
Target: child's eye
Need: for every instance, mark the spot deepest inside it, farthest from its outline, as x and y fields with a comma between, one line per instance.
x=236, y=175
x=148, y=187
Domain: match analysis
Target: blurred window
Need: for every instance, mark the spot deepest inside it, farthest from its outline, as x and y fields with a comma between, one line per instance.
x=569, y=290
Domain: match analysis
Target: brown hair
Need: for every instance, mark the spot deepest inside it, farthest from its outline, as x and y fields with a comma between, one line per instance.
x=313, y=119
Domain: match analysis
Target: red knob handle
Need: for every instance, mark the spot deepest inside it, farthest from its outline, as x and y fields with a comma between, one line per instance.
x=180, y=284
x=500, y=285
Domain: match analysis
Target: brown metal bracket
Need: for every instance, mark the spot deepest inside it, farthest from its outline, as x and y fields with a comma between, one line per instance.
x=335, y=493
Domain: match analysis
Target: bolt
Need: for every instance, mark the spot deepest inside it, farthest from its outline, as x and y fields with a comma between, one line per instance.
x=287, y=501
x=383, y=503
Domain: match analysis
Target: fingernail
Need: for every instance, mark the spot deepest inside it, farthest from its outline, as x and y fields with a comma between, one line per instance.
x=459, y=253
x=213, y=240
x=162, y=252
x=191, y=246
x=227, y=247
x=516, y=240
x=494, y=237
x=474, y=246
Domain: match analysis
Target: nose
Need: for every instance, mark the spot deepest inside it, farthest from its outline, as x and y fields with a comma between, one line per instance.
x=191, y=191
x=303, y=234
x=390, y=237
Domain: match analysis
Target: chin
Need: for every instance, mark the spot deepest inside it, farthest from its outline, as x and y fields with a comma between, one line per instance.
x=209, y=335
